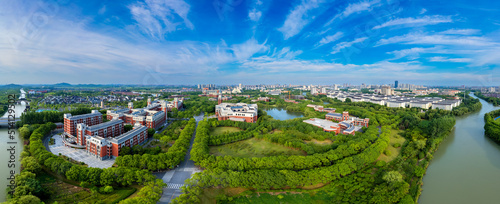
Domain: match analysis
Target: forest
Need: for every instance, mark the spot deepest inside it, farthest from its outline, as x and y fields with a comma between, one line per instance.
x=492, y=126
x=493, y=100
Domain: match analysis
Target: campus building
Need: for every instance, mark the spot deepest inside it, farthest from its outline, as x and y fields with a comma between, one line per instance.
x=344, y=127
x=70, y=122
x=104, y=140
x=321, y=108
x=236, y=112
x=344, y=117
x=152, y=116
x=104, y=148
x=111, y=128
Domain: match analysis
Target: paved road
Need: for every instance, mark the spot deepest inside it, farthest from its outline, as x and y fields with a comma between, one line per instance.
x=175, y=178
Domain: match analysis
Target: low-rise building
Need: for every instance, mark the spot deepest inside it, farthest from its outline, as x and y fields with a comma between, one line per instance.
x=344, y=127
x=344, y=117
x=236, y=112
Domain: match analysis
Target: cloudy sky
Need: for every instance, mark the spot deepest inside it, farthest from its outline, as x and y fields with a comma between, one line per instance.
x=449, y=42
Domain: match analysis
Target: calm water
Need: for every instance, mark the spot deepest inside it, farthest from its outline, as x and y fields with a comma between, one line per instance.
x=466, y=167
x=283, y=114
x=4, y=155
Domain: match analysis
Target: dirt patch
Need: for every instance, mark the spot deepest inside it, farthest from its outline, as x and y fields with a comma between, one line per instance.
x=324, y=142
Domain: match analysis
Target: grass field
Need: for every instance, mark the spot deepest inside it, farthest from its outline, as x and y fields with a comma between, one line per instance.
x=253, y=148
x=395, y=138
x=67, y=193
x=288, y=198
x=324, y=142
x=208, y=195
x=224, y=130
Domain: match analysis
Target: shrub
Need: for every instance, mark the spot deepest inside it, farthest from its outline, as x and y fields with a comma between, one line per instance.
x=396, y=145
x=380, y=163
x=85, y=184
x=107, y=189
x=387, y=152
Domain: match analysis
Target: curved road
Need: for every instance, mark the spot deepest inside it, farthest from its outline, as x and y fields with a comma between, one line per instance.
x=175, y=178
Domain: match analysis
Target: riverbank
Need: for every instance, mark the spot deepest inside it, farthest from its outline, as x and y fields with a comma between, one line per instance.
x=492, y=126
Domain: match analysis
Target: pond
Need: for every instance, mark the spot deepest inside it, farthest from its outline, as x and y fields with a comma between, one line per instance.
x=283, y=114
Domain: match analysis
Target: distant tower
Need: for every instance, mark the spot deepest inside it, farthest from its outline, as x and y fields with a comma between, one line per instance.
x=102, y=104
x=149, y=101
x=345, y=116
x=176, y=103
x=220, y=97
x=164, y=108
x=130, y=105
x=396, y=83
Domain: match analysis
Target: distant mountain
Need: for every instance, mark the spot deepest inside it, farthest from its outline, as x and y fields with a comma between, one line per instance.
x=62, y=84
x=11, y=86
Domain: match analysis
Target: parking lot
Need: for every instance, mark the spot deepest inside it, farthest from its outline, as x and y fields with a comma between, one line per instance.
x=78, y=154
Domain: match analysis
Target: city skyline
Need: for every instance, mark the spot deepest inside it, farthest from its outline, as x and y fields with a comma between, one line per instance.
x=251, y=42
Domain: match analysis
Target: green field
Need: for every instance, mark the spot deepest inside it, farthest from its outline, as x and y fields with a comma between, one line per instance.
x=224, y=130
x=67, y=193
x=253, y=148
x=395, y=138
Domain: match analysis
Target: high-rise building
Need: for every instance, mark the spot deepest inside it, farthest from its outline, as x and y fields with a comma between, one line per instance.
x=396, y=83
x=239, y=86
x=386, y=90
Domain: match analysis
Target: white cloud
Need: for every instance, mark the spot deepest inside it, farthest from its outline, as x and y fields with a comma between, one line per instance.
x=419, y=21
x=359, y=7
x=159, y=17
x=353, y=8
x=331, y=38
x=254, y=15
x=423, y=11
x=298, y=18
x=445, y=59
x=285, y=53
x=248, y=49
x=412, y=53
x=422, y=38
x=102, y=10
x=461, y=32
x=337, y=48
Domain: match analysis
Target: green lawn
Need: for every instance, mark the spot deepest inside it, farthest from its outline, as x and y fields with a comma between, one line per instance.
x=395, y=138
x=283, y=198
x=224, y=130
x=253, y=148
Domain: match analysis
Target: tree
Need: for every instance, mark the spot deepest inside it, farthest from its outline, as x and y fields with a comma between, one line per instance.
x=30, y=164
x=151, y=132
x=108, y=189
x=393, y=177
x=128, y=127
x=28, y=199
x=25, y=132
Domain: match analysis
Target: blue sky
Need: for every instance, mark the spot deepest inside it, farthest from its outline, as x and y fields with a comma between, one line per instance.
x=250, y=41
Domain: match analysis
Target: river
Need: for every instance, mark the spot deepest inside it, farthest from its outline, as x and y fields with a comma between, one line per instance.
x=466, y=167
x=4, y=155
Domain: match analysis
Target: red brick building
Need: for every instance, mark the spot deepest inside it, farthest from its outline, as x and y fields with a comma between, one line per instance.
x=111, y=128
x=90, y=119
x=104, y=148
